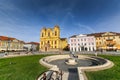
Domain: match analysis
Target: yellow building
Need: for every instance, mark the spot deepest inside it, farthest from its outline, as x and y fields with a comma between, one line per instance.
x=10, y=44
x=107, y=41
x=50, y=39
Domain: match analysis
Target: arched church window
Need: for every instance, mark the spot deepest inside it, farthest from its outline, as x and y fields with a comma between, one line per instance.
x=48, y=33
x=55, y=42
x=41, y=42
x=48, y=42
x=55, y=33
x=42, y=34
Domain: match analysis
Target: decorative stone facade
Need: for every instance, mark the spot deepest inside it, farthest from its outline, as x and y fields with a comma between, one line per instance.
x=50, y=39
x=82, y=43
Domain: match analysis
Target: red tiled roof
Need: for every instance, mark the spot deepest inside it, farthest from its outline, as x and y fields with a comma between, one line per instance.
x=5, y=38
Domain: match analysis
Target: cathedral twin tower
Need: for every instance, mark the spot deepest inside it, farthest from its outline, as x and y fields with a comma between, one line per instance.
x=50, y=39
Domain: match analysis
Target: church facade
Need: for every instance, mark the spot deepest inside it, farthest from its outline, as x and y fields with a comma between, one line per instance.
x=50, y=39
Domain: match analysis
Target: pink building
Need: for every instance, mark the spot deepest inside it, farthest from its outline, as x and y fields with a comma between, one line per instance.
x=82, y=43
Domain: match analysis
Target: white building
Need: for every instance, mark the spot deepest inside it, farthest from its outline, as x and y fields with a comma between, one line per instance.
x=31, y=46
x=82, y=43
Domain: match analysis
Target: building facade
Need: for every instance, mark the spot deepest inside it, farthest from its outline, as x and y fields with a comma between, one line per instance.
x=31, y=46
x=107, y=41
x=50, y=39
x=10, y=44
x=82, y=43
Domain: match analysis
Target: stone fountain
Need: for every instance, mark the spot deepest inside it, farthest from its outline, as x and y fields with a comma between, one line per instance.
x=72, y=60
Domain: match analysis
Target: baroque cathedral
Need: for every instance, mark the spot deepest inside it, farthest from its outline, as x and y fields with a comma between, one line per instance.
x=50, y=39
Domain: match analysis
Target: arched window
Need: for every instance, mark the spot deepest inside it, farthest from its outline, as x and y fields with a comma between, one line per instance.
x=48, y=33
x=55, y=42
x=41, y=42
x=48, y=42
x=71, y=49
x=42, y=34
x=55, y=33
x=75, y=49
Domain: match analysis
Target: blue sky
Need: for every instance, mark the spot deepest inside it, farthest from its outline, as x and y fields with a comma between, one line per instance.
x=23, y=19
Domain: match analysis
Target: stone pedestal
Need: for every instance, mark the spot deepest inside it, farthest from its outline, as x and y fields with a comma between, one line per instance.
x=71, y=61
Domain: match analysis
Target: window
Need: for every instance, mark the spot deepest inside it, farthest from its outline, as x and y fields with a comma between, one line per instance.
x=41, y=42
x=82, y=44
x=71, y=40
x=97, y=43
x=42, y=34
x=55, y=42
x=75, y=49
x=48, y=42
x=86, y=48
x=89, y=49
x=48, y=33
x=71, y=49
x=74, y=40
x=79, y=49
x=55, y=33
x=84, y=39
x=55, y=47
